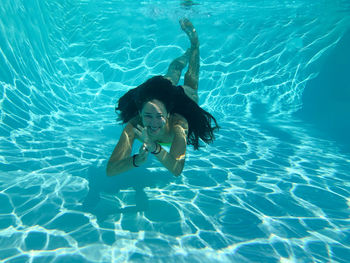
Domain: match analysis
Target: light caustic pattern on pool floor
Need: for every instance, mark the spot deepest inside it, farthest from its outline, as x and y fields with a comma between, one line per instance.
x=268, y=190
x=264, y=198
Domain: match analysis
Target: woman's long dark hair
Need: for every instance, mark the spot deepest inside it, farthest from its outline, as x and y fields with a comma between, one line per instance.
x=175, y=101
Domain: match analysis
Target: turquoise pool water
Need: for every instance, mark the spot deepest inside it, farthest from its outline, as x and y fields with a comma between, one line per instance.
x=273, y=187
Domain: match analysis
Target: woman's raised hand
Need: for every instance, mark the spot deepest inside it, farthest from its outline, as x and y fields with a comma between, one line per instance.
x=142, y=134
x=141, y=157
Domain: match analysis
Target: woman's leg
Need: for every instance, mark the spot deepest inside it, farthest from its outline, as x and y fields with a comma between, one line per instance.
x=176, y=67
x=192, y=74
x=192, y=57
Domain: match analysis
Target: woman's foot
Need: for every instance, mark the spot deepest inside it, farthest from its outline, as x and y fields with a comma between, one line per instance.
x=191, y=32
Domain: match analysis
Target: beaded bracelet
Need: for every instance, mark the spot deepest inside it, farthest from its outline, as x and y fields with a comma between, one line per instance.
x=133, y=160
x=158, y=149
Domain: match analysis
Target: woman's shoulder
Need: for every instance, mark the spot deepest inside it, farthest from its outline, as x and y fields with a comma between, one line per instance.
x=135, y=121
x=177, y=120
x=130, y=125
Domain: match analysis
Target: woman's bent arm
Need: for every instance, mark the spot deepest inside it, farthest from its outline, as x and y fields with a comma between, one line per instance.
x=174, y=161
x=120, y=160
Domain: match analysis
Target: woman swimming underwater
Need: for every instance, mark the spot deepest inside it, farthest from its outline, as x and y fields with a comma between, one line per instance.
x=159, y=112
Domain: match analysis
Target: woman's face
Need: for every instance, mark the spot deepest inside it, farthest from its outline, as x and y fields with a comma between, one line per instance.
x=154, y=117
